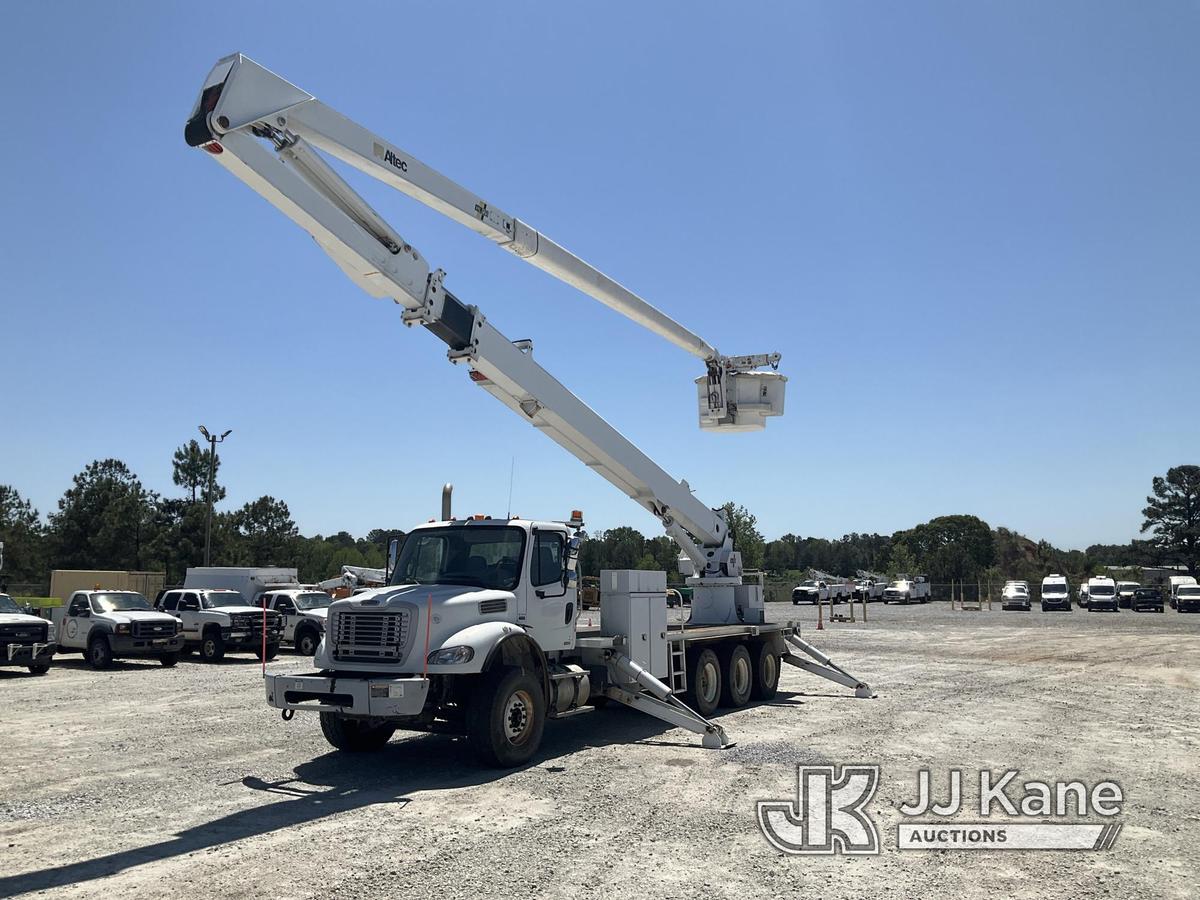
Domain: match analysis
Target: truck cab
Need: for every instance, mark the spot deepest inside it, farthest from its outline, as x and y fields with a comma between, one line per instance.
x=25, y=640
x=811, y=591
x=304, y=612
x=106, y=625
x=1125, y=592
x=474, y=630
x=907, y=589
x=217, y=621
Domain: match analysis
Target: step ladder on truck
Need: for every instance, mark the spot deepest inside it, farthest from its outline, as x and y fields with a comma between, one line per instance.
x=477, y=630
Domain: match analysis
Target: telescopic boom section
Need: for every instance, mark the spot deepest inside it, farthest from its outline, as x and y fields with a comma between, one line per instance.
x=251, y=120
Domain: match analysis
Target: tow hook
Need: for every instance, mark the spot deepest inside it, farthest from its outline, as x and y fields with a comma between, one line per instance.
x=287, y=714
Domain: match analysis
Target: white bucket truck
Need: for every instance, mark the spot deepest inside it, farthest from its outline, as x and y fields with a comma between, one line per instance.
x=477, y=630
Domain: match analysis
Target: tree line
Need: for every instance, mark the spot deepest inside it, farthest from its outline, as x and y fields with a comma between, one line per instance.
x=107, y=519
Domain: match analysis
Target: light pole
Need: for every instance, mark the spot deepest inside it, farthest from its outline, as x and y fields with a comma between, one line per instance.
x=213, y=440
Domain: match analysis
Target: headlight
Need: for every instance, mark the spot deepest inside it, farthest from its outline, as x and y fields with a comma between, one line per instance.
x=123, y=629
x=451, y=656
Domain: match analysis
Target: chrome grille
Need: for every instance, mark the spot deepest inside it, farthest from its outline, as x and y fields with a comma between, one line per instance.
x=153, y=629
x=370, y=635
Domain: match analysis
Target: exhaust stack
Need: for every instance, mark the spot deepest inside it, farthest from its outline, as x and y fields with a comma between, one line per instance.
x=447, y=490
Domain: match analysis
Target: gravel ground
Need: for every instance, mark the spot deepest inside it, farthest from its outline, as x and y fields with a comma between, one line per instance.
x=150, y=782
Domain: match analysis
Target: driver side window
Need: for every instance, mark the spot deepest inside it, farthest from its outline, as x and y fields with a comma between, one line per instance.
x=547, y=559
x=79, y=604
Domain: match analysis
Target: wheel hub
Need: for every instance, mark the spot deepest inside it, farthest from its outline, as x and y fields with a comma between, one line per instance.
x=517, y=717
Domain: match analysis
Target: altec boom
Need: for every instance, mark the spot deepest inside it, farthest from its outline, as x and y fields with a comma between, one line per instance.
x=250, y=121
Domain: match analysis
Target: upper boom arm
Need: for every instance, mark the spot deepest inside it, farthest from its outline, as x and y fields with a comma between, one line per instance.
x=245, y=111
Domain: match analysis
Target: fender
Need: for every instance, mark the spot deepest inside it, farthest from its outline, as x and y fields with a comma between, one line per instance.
x=495, y=643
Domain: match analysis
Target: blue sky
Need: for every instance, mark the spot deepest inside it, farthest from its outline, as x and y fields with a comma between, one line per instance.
x=972, y=230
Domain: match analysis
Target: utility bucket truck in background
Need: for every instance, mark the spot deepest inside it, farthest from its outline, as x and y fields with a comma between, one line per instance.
x=477, y=630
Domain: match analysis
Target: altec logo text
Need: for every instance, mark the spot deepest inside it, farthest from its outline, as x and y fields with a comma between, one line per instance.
x=388, y=156
x=830, y=814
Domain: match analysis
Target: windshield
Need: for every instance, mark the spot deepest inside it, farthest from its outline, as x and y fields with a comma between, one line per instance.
x=214, y=599
x=1188, y=592
x=485, y=556
x=1052, y=588
x=118, y=602
x=1101, y=590
x=8, y=604
x=808, y=584
x=313, y=601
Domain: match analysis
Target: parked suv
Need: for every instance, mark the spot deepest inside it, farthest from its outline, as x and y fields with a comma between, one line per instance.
x=107, y=625
x=1147, y=599
x=217, y=621
x=304, y=613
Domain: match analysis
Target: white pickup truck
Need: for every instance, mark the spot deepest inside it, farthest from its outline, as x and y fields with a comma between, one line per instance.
x=216, y=621
x=304, y=614
x=107, y=625
x=907, y=589
x=24, y=639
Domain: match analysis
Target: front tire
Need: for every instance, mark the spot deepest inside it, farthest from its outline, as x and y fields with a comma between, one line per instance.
x=168, y=660
x=99, y=653
x=354, y=735
x=306, y=643
x=212, y=646
x=506, y=717
x=39, y=668
x=272, y=652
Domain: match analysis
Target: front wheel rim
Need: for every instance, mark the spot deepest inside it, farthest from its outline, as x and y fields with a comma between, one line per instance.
x=210, y=648
x=518, y=717
x=769, y=670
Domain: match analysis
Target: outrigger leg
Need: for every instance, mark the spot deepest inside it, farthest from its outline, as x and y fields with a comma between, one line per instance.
x=658, y=701
x=824, y=666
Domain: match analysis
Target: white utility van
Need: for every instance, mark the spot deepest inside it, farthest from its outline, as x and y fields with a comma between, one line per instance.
x=1055, y=593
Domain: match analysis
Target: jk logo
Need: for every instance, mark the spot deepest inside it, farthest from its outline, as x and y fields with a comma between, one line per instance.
x=828, y=815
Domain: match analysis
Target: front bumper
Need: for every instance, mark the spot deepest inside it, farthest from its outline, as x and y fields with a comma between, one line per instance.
x=381, y=697
x=249, y=638
x=1063, y=604
x=1103, y=606
x=1022, y=605
x=28, y=654
x=132, y=645
x=1145, y=606
x=1187, y=605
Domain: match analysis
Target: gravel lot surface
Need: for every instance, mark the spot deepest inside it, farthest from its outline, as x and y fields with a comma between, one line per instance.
x=152, y=782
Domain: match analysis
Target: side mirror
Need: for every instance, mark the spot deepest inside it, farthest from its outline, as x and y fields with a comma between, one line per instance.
x=573, y=546
x=84, y=614
x=393, y=555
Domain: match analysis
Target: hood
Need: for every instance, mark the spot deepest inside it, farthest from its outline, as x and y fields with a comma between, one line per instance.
x=240, y=610
x=21, y=619
x=322, y=613
x=137, y=615
x=421, y=595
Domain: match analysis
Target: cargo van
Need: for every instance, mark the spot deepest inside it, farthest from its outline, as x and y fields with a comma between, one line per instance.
x=1174, y=583
x=1055, y=593
x=1102, y=594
